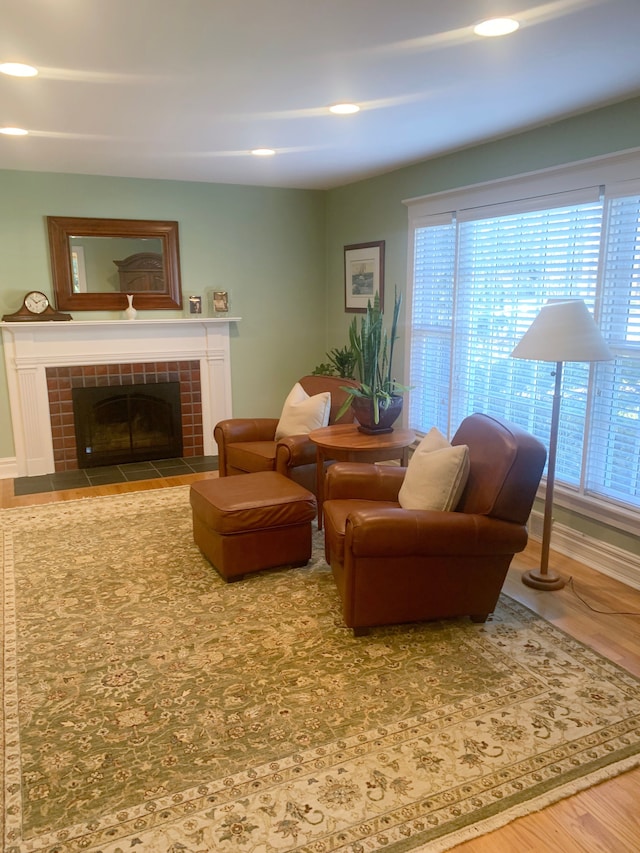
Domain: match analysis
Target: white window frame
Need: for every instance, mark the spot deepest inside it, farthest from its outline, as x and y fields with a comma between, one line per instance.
x=616, y=174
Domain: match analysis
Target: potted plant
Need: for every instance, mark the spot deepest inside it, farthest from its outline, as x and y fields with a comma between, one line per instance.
x=341, y=362
x=377, y=401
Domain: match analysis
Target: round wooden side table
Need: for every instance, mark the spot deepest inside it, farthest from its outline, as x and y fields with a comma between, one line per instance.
x=345, y=443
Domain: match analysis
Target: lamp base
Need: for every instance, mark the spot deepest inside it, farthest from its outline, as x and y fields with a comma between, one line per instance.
x=536, y=579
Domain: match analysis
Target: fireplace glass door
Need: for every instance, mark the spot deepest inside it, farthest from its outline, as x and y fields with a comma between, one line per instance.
x=127, y=423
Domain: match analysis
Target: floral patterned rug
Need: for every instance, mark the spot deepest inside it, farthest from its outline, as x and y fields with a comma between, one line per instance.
x=149, y=705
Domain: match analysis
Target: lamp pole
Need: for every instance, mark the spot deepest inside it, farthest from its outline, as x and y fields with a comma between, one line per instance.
x=542, y=578
x=564, y=330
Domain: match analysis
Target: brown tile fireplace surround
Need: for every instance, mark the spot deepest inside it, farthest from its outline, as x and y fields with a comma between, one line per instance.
x=62, y=380
x=45, y=361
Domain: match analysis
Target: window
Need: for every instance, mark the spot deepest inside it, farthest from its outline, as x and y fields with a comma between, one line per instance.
x=479, y=276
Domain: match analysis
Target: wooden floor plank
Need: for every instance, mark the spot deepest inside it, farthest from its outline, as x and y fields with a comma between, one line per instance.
x=602, y=819
x=8, y=499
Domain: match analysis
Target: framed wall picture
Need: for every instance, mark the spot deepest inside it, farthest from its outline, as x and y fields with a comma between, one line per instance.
x=363, y=275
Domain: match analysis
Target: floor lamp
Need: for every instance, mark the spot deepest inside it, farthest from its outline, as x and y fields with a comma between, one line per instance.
x=562, y=331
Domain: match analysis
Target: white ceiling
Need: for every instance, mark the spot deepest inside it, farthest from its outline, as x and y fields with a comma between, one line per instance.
x=183, y=89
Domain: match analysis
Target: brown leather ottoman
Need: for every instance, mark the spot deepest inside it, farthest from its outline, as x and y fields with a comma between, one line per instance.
x=252, y=521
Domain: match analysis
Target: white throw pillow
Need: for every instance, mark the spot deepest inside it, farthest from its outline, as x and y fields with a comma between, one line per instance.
x=436, y=475
x=302, y=413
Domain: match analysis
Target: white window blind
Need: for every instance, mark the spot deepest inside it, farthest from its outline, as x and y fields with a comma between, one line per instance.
x=613, y=468
x=431, y=333
x=479, y=280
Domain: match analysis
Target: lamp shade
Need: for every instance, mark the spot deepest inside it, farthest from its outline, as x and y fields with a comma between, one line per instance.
x=563, y=331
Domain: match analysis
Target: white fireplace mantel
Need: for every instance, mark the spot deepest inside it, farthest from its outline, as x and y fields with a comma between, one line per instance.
x=31, y=347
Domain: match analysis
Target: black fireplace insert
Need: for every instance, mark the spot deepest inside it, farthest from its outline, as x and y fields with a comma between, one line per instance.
x=117, y=424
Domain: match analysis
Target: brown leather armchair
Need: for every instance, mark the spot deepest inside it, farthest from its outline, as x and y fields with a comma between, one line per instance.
x=246, y=445
x=393, y=565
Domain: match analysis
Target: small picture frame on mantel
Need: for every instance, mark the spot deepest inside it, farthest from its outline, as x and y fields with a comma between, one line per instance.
x=363, y=275
x=220, y=302
x=195, y=305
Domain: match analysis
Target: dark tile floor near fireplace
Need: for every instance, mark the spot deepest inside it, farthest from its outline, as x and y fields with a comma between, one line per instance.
x=114, y=474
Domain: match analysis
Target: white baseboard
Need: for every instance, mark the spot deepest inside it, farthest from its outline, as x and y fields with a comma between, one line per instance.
x=608, y=559
x=8, y=468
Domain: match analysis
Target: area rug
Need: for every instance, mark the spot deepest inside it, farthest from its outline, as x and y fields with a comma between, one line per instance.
x=148, y=705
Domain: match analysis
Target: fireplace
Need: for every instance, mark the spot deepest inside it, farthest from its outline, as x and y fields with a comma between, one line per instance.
x=129, y=423
x=45, y=361
x=64, y=383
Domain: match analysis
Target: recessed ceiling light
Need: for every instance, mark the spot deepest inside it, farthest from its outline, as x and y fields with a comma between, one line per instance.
x=13, y=131
x=344, y=109
x=496, y=27
x=18, y=69
x=263, y=152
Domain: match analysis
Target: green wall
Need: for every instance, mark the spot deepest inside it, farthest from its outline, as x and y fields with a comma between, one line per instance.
x=280, y=252
x=265, y=246
x=373, y=210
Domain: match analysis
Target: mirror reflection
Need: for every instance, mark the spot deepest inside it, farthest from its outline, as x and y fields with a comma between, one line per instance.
x=96, y=262
x=116, y=265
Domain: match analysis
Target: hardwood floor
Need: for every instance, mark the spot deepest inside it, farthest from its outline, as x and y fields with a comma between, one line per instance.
x=602, y=819
x=8, y=499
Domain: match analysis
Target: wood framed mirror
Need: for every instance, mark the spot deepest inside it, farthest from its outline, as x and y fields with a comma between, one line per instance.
x=96, y=262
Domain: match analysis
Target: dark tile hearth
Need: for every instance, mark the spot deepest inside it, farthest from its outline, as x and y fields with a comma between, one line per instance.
x=114, y=474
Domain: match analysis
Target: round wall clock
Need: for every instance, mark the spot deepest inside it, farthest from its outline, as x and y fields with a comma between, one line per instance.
x=35, y=306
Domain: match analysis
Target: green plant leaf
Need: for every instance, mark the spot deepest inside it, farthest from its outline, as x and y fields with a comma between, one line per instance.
x=373, y=351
